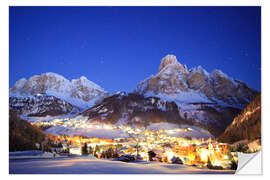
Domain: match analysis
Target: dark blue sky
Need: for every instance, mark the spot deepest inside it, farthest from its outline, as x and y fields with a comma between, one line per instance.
x=117, y=47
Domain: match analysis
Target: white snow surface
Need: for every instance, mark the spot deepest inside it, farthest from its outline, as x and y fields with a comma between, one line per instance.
x=86, y=165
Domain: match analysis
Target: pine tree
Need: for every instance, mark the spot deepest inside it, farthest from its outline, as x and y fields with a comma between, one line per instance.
x=209, y=164
x=84, y=149
x=234, y=165
x=90, y=150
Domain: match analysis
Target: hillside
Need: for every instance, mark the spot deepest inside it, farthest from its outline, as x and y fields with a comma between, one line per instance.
x=129, y=109
x=23, y=135
x=247, y=125
x=132, y=109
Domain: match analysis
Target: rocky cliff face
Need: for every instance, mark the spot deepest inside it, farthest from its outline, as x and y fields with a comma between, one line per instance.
x=246, y=126
x=175, y=80
x=79, y=92
x=168, y=80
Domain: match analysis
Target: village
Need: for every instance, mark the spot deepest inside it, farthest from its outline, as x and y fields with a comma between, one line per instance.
x=142, y=144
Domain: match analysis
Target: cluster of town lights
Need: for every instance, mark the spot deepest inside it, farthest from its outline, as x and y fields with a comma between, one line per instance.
x=196, y=151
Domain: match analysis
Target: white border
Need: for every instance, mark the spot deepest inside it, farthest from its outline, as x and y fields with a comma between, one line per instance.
x=5, y=68
x=137, y=2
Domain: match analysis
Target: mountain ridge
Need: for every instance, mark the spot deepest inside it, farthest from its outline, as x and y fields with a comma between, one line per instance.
x=79, y=92
x=174, y=79
x=175, y=94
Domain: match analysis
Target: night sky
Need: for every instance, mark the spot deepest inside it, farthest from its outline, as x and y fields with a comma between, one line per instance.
x=117, y=47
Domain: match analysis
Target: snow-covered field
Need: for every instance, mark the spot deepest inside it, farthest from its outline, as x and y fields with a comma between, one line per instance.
x=33, y=154
x=90, y=132
x=85, y=165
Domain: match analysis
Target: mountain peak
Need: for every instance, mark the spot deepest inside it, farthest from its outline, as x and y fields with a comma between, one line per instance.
x=168, y=60
x=217, y=72
x=20, y=83
x=86, y=82
x=83, y=78
x=201, y=70
x=170, y=63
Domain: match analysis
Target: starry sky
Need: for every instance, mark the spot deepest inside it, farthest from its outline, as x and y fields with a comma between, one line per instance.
x=117, y=47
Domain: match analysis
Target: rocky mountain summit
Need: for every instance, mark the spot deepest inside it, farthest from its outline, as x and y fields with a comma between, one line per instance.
x=176, y=81
x=79, y=92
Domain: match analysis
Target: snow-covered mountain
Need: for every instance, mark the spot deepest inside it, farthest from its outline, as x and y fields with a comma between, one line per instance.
x=130, y=109
x=176, y=82
x=121, y=110
x=175, y=95
x=207, y=99
x=79, y=92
